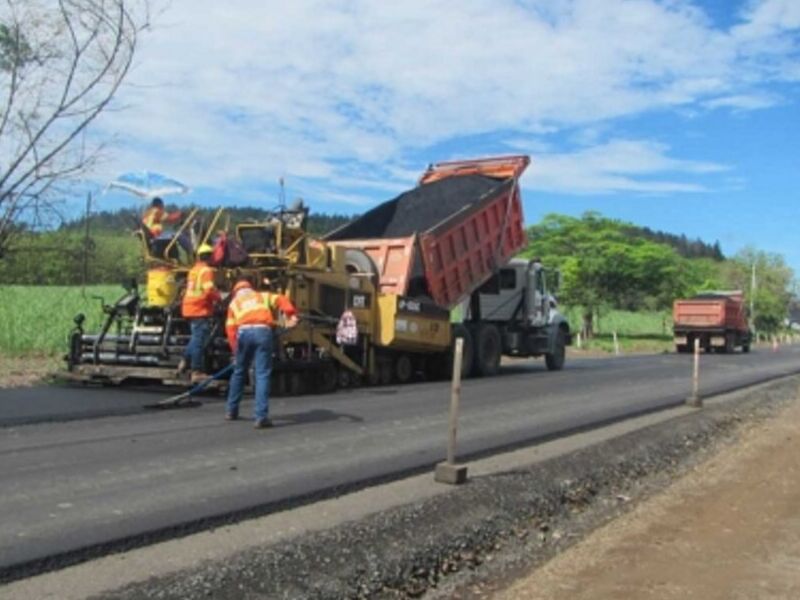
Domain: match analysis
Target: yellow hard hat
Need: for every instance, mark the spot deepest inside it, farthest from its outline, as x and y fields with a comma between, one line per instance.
x=205, y=249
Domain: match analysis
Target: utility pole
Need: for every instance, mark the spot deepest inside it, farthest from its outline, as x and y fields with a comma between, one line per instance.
x=753, y=295
x=86, y=243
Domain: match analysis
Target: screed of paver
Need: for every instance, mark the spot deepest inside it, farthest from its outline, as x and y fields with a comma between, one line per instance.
x=729, y=529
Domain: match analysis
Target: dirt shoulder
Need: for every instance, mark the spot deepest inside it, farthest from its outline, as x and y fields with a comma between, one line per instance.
x=23, y=371
x=728, y=529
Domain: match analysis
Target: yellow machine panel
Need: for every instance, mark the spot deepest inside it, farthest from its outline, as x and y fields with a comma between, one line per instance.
x=411, y=325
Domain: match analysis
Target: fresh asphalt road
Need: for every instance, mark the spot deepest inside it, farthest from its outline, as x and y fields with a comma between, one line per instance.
x=90, y=467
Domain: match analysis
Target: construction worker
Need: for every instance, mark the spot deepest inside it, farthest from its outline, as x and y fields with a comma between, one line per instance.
x=199, y=298
x=154, y=218
x=251, y=317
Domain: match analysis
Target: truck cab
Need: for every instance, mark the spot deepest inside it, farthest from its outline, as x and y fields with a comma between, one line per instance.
x=515, y=314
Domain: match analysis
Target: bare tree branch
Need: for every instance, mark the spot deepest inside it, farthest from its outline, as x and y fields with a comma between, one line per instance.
x=59, y=70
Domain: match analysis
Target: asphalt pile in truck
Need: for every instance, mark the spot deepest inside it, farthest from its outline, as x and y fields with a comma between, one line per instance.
x=420, y=209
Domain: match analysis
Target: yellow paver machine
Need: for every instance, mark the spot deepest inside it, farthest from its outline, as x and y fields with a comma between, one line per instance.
x=410, y=274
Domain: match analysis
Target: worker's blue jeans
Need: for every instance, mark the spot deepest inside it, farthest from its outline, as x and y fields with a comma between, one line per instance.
x=252, y=344
x=201, y=328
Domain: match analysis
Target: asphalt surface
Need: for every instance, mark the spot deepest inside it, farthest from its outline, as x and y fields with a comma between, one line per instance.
x=85, y=482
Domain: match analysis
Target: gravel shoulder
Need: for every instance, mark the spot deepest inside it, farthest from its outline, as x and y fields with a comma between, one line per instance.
x=730, y=528
x=485, y=538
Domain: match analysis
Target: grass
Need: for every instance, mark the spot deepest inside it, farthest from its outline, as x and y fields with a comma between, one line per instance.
x=644, y=331
x=36, y=320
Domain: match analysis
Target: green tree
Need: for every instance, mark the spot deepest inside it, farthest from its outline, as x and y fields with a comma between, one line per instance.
x=772, y=294
x=604, y=264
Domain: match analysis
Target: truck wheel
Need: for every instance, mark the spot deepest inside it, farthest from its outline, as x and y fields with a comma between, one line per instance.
x=403, y=368
x=488, y=348
x=327, y=378
x=555, y=359
x=295, y=384
x=459, y=331
x=746, y=346
x=681, y=348
x=729, y=343
x=344, y=377
x=385, y=372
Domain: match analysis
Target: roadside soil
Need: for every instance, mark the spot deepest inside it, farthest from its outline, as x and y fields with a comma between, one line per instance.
x=25, y=371
x=729, y=529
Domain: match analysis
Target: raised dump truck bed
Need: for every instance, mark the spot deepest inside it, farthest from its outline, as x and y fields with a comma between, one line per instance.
x=447, y=236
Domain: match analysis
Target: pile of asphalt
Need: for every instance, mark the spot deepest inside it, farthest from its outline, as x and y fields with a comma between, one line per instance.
x=419, y=209
x=479, y=534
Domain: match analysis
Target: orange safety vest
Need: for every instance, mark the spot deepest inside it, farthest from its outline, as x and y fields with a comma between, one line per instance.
x=201, y=293
x=250, y=307
x=152, y=220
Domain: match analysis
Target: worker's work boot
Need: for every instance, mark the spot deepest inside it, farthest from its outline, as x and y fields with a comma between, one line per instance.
x=199, y=376
x=263, y=423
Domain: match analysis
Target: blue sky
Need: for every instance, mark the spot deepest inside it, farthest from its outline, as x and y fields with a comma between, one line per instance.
x=677, y=115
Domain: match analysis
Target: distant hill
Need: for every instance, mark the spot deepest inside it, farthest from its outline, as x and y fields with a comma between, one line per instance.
x=126, y=219
x=64, y=256
x=685, y=247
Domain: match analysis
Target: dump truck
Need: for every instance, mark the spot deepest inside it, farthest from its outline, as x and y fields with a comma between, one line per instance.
x=451, y=241
x=415, y=273
x=718, y=320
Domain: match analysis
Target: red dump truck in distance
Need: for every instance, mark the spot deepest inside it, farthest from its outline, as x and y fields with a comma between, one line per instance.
x=717, y=319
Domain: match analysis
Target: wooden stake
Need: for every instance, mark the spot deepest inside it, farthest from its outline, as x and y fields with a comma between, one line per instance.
x=694, y=399
x=449, y=471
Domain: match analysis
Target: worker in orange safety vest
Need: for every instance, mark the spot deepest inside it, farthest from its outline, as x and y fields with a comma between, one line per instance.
x=156, y=216
x=251, y=317
x=198, y=304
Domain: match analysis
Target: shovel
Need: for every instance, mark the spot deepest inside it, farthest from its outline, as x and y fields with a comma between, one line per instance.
x=181, y=400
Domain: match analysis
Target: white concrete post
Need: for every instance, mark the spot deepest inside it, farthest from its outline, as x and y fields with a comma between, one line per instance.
x=616, y=343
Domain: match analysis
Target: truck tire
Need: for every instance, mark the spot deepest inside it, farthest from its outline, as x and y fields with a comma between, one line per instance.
x=555, y=359
x=746, y=346
x=326, y=378
x=681, y=348
x=403, y=368
x=468, y=357
x=488, y=349
x=730, y=344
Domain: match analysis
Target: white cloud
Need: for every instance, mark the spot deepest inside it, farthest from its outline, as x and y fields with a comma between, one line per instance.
x=743, y=101
x=617, y=166
x=345, y=96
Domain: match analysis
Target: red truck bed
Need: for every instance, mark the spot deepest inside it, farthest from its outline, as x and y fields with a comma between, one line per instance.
x=447, y=236
x=710, y=312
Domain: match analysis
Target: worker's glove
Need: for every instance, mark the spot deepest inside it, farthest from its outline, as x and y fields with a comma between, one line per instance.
x=290, y=322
